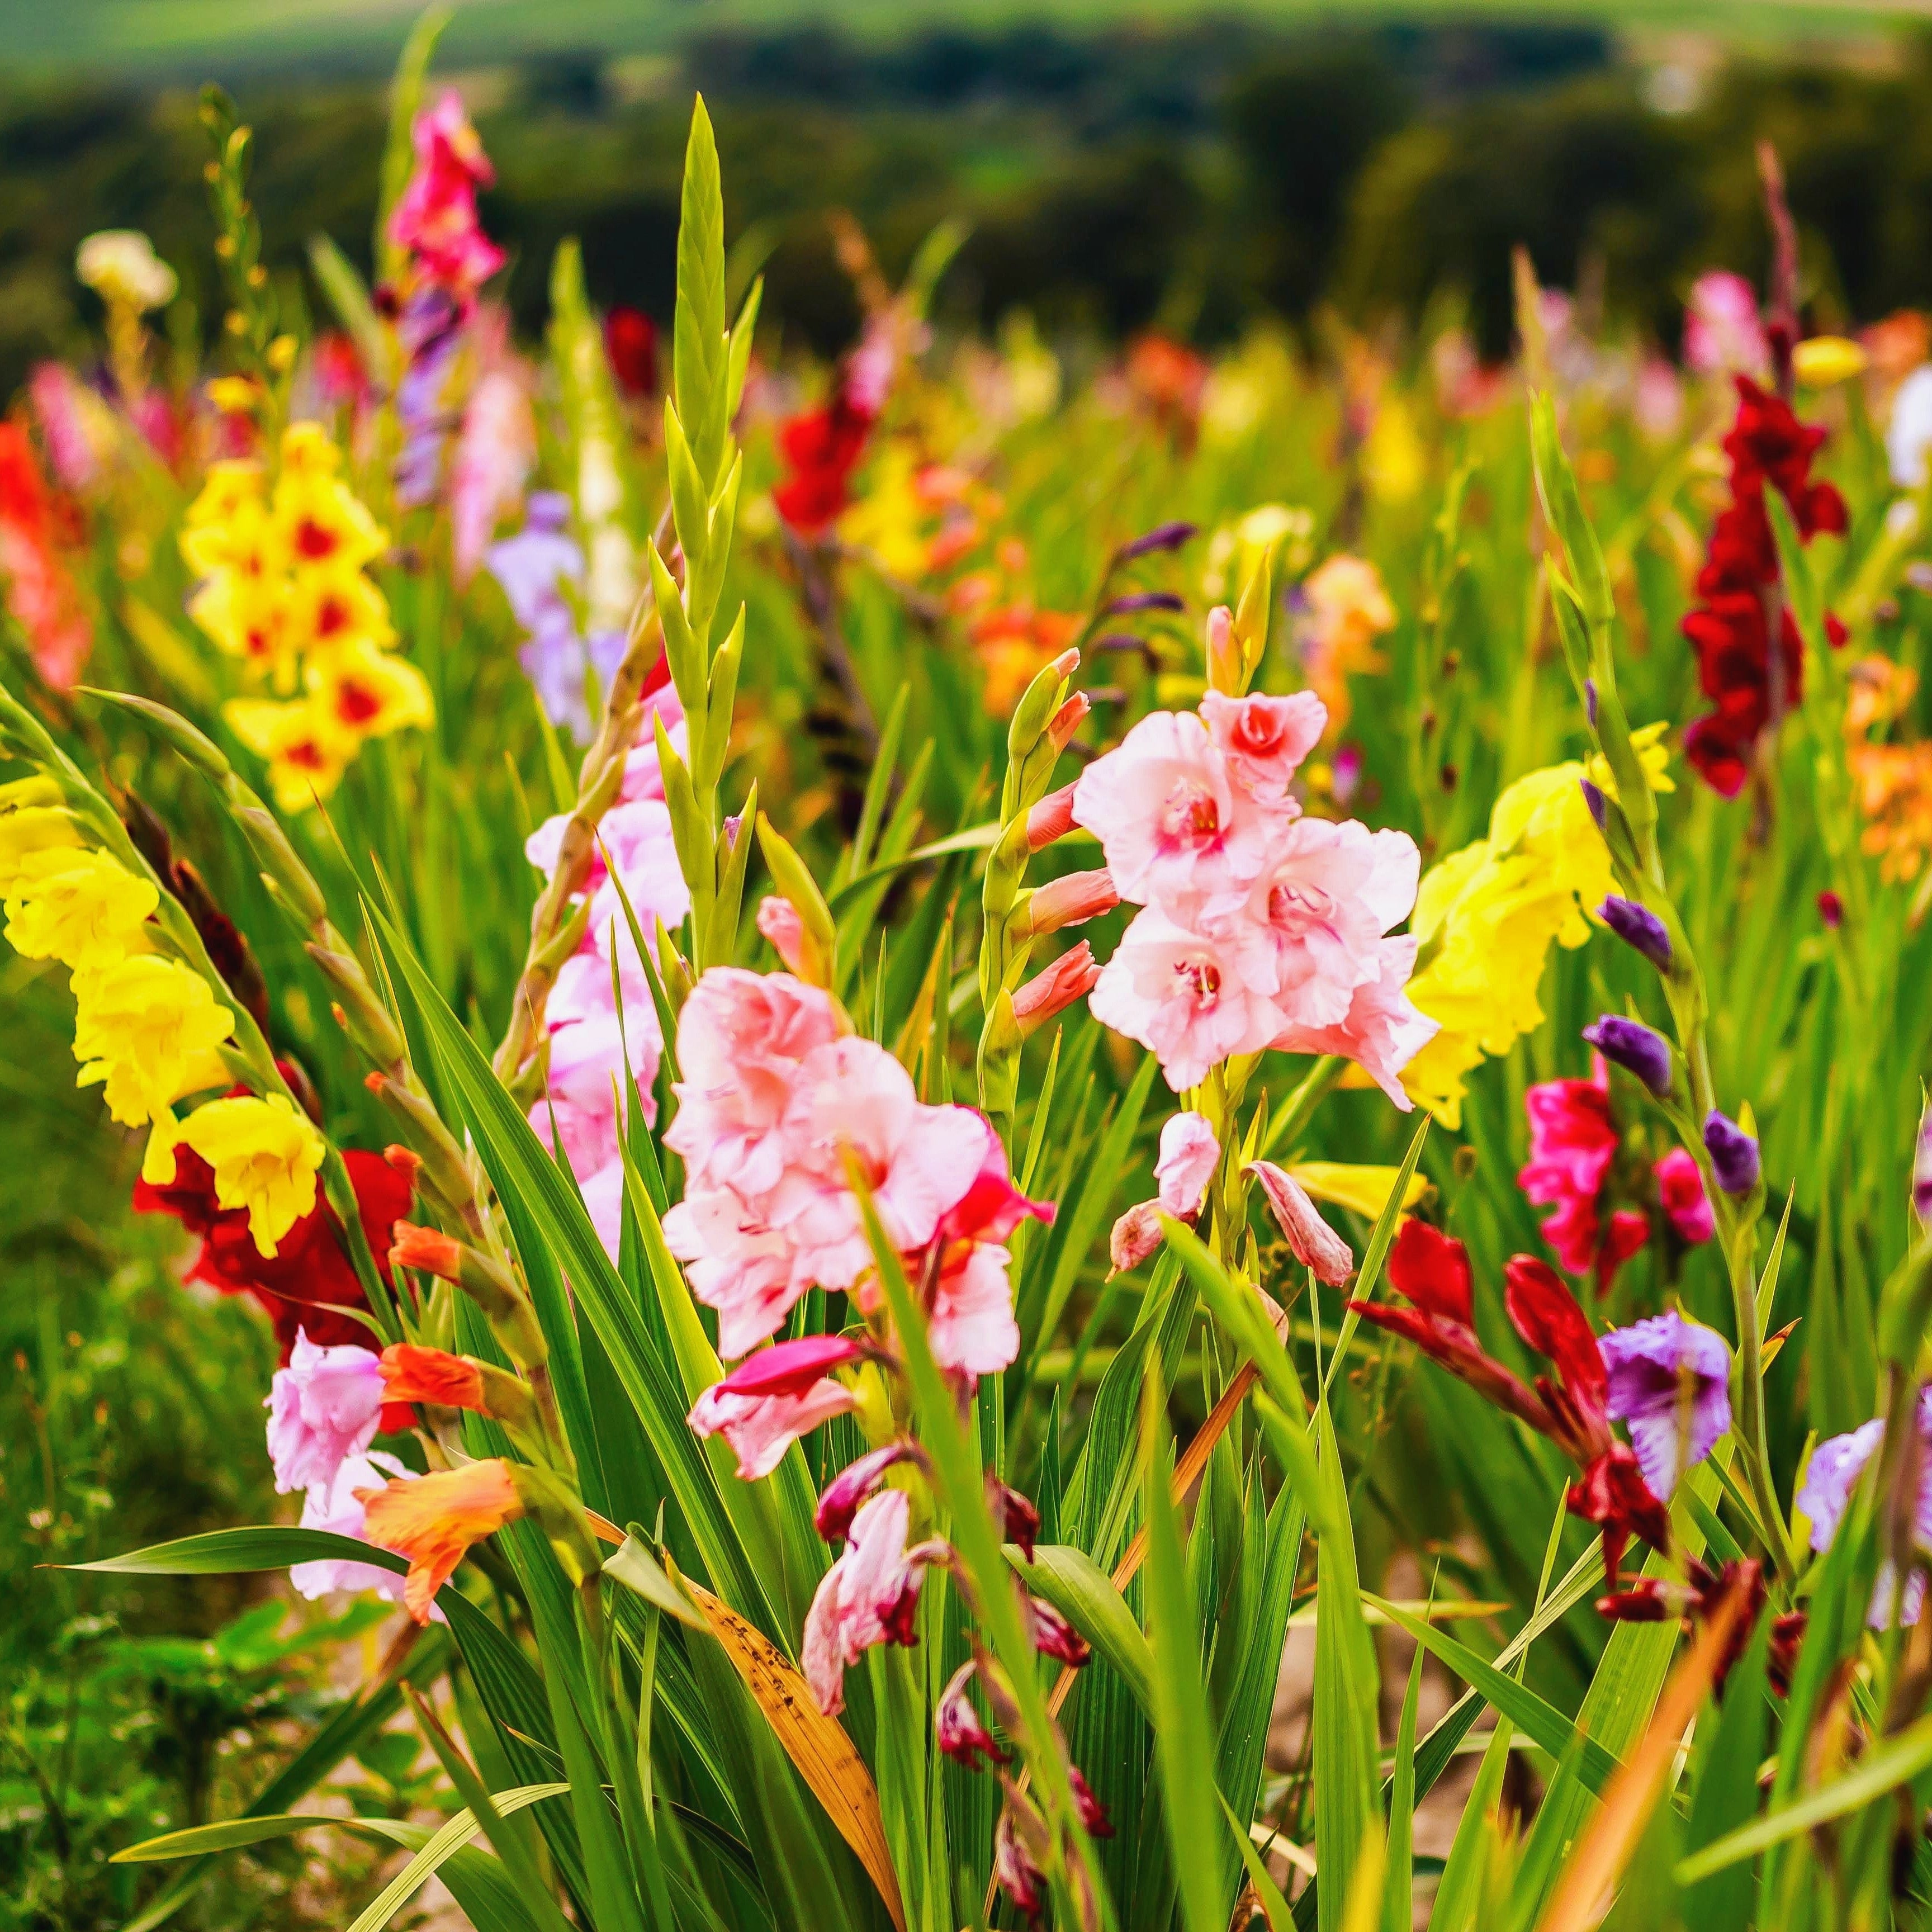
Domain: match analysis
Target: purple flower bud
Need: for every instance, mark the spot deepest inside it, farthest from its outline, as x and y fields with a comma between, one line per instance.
x=853, y=1485
x=1054, y=1636
x=1599, y=805
x=1143, y=600
x=1162, y=536
x=961, y=1732
x=1734, y=1156
x=1637, y=926
x=1634, y=1047
x=1590, y=700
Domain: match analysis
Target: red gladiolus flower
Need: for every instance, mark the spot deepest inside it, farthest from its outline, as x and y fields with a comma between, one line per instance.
x=631, y=343
x=1750, y=682
x=823, y=447
x=39, y=591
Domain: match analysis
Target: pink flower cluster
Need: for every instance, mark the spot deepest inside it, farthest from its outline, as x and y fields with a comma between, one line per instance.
x=325, y=1409
x=1573, y=1146
x=776, y=1098
x=435, y=219
x=582, y=1110
x=1260, y=928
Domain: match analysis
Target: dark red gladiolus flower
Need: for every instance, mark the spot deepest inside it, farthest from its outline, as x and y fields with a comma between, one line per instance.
x=631, y=344
x=962, y=1733
x=1092, y=1814
x=1545, y=1313
x=308, y=1268
x=1748, y=682
x=1612, y=1494
x=823, y=447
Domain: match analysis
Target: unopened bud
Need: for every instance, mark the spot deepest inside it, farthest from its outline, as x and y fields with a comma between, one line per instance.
x=1224, y=652
x=405, y=1161
x=1052, y=818
x=1067, y=720
x=1071, y=900
x=1071, y=977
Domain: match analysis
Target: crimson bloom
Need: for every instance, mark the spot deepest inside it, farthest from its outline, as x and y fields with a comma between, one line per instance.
x=1572, y=1143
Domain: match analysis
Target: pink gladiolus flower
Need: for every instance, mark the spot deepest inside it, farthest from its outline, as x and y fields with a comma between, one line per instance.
x=1265, y=738
x=1183, y=997
x=869, y=1596
x=773, y=1398
x=1315, y=1244
x=1721, y=328
x=1572, y=1142
x=1071, y=977
x=1189, y=1155
x=779, y=923
x=1382, y=1032
x=992, y=1207
x=333, y=1506
x=1071, y=900
x=494, y=451
x=323, y=1409
x=856, y=1485
x=970, y=1327
x=737, y=1262
x=1050, y=819
x=1175, y=829
x=435, y=218
x=1054, y=1636
x=1680, y=1186
x=1135, y=1236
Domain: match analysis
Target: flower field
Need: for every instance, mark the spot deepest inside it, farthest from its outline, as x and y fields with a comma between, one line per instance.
x=1001, y=1134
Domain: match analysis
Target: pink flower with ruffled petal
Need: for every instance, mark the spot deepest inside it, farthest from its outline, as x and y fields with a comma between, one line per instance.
x=869, y=1596
x=1382, y=1031
x=323, y=1408
x=1190, y=1152
x=1183, y=997
x=736, y=1263
x=435, y=217
x=1311, y=932
x=970, y=1327
x=741, y=1039
x=1178, y=832
x=774, y=1397
x=1265, y=738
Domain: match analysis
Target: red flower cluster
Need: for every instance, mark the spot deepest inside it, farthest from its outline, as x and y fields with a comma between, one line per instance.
x=1741, y=600
x=1431, y=1270
x=39, y=592
x=309, y=1276
x=823, y=446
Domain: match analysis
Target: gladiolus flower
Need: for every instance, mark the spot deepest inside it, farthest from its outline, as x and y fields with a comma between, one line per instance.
x=1050, y=819
x=412, y=1373
x=1091, y=1813
x=1265, y=739
x=957, y=1727
x=1071, y=977
x=433, y=1520
x=1054, y=1636
x=779, y=923
x=1019, y=1521
x=1314, y=1243
x=335, y=1507
x=1637, y=1049
x=1636, y=925
x=631, y=346
x=869, y=1596
x=854, y=1485
x=1135, y=1236
x=147, y=1028
x=1669, y=1380
x=1070, y=900
x=773, y=1398
x=1680, y=1188
x=1734, y=1153
x=77, y=906
x=265, y=1156
x=1836, y=1465
x=1190, y=1152
x=323, y=1409
x=1572, y=1143
x=1019, y=1873
x=427, y=1249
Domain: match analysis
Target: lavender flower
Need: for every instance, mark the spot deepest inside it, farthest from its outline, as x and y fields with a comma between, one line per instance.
x=431, y=331
x=1734, y=1155
x=534, y=567
x=1637, y=926
x=1669, y=1380
x=1836, y=1465
x=1635, y=1048
x=1162, y=536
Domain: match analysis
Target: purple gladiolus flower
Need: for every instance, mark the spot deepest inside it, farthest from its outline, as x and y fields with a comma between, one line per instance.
x=533, y=567
x=1669, y=1380
x=1836, y=1465
x=1143, y=600
x=1637, y=926
x=1162, y=536
x=1734, y=1155
x=431, y=331
x=1598, y=805
x=1635, y=1048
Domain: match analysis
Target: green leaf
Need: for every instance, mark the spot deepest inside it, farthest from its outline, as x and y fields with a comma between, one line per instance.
x=1077, y=1587
x=1459, y=1897
x=1380, y=1242
x=1537, y=1720
x=440, y=1848
x=1398, y=1897
x=234, y=1552
x=698, y=347
x=633, y=1564
x=1239, y=1311
x=1724, y=1796
x=406, y=93
x=1182, y=1740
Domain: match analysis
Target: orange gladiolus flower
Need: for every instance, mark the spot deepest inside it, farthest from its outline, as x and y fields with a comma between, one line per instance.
x=412, y=1373
x=433, y=1520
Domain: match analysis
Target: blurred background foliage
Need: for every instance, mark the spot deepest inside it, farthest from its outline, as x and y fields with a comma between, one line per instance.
x=1194, y=176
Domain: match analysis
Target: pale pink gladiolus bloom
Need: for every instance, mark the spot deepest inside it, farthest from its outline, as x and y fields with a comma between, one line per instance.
x=1311, y=930
x=1382, y=1032
x=637, y=840
x=1315, y=1244
x=971, y=1330
x=1722, y=331
x=1071, y=900
x=603, y=1194
x=588, y=1135
x=494, y=451
x=737, y=1262
x=741, y=1037
x=1190, y=1152
x=332, y=1506
x=642, y=779
x=853, y=1101
x=323, y=1409
x=869, y=1596
x=779, y=923
x=1176, y=830
x=1265, y=738
x=1183, y=997
x=761, y=1428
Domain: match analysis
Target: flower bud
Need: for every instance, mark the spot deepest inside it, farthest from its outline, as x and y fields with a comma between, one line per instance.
x=1735, y=1164
x=1224, y=650
x=1054, y=1636
x=1636, y=1048
x=1071, y=977
x=1163, y=537
x=1071, y=900
x=854, y=1485
x=1637, y=926
x=1135, y=1236
x=1052, y=818
x=1092, y=1814
x=779, y=923
x=1594, y=798
x=1067, y=720
x=961, y=1733
x=1019, y=1521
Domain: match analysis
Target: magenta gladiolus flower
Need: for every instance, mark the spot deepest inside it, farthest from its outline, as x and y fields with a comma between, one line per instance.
x=774, y=1397
x=1680, y=1187
x=323, y=1409
x=1669, y=1380
x=961, y=1733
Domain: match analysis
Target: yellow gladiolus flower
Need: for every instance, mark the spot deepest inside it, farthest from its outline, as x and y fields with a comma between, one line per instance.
x=324, y=525
x=248, y=617
x=146, y=1030
x=330, y=612
x=77, y=906
x=34, y=818
x=1824, y=360
x=265, y=1156
x=227, y=524
x=363, y=694
x=306, y=756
